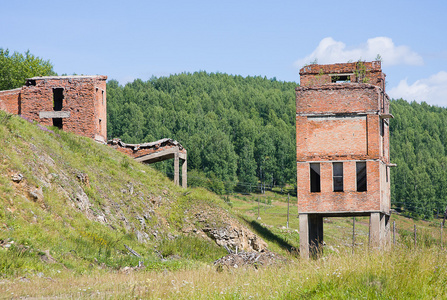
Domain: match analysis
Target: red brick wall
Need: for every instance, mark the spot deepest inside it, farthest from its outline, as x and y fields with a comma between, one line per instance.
x=336, y=136
x=82, y=98
x=347, y=137
x=374, y=144
x=10, y=100
x=321, y=74
x=328, y=201
x=101, y=109
x=338, y=98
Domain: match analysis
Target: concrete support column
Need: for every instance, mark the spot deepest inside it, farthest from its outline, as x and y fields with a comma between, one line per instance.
x=374, y=230
x=304, y=236
x=379, y=231
x=311, y=235
x=176, y=169
x=185, y=173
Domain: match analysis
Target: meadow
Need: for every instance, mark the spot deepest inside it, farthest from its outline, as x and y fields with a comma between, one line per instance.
x=403, y=271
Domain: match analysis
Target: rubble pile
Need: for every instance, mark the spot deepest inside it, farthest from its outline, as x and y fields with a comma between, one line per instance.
x=255, y=259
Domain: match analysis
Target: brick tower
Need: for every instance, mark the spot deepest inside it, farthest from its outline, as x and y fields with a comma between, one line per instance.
x=342, y=136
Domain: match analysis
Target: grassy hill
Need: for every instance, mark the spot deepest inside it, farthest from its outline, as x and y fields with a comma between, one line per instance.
x=77, y=204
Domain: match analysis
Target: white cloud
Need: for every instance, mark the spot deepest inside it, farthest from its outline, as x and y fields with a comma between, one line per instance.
x=432, y=90
x=331, y=51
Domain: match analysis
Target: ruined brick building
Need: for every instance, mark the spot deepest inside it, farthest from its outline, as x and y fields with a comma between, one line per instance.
x=72, y=103
x=78, y=104
x=157, y=151
x=342, y=136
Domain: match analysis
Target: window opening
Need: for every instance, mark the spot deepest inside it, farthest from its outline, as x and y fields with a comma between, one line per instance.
x=315, y=185
x=31, y=82
x=386, y=172
x=337, y=174
x=102, y=97
x=361, y=176
x=57, y=122
x=58, y=98
x=340, y=78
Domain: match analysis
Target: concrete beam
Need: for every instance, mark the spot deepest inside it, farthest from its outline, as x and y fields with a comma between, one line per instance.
x=176, y=154
x=54, y=114
x=161, y=155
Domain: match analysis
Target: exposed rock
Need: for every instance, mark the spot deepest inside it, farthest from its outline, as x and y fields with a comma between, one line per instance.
x=142, y=221
x=52, y=176
x=46, y=257
x=187, y=229
x=148, y=214
x=82, y=200
x=142, y=237
x=36, y=194
x=17, y=177
x=233, y=236
x=101, y=219
x=130, y=187
x=255, y=259
x=6, y=243
x=227, y=231
x=156, y=201
x=128, y=270
x=83, y=178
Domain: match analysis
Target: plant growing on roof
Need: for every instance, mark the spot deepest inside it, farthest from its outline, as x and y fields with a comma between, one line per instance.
x=360, y=72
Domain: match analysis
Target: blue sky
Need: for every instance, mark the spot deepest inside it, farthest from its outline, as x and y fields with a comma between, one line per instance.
x=130, y=39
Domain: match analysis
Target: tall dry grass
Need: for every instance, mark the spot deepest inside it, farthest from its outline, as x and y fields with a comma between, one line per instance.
x=400, y=273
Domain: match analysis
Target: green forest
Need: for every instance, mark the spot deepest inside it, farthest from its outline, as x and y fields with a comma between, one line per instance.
x=240, y=133
x=418, y=147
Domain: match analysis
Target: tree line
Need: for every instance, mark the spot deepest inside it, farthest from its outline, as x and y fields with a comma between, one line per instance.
x=16, y=67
